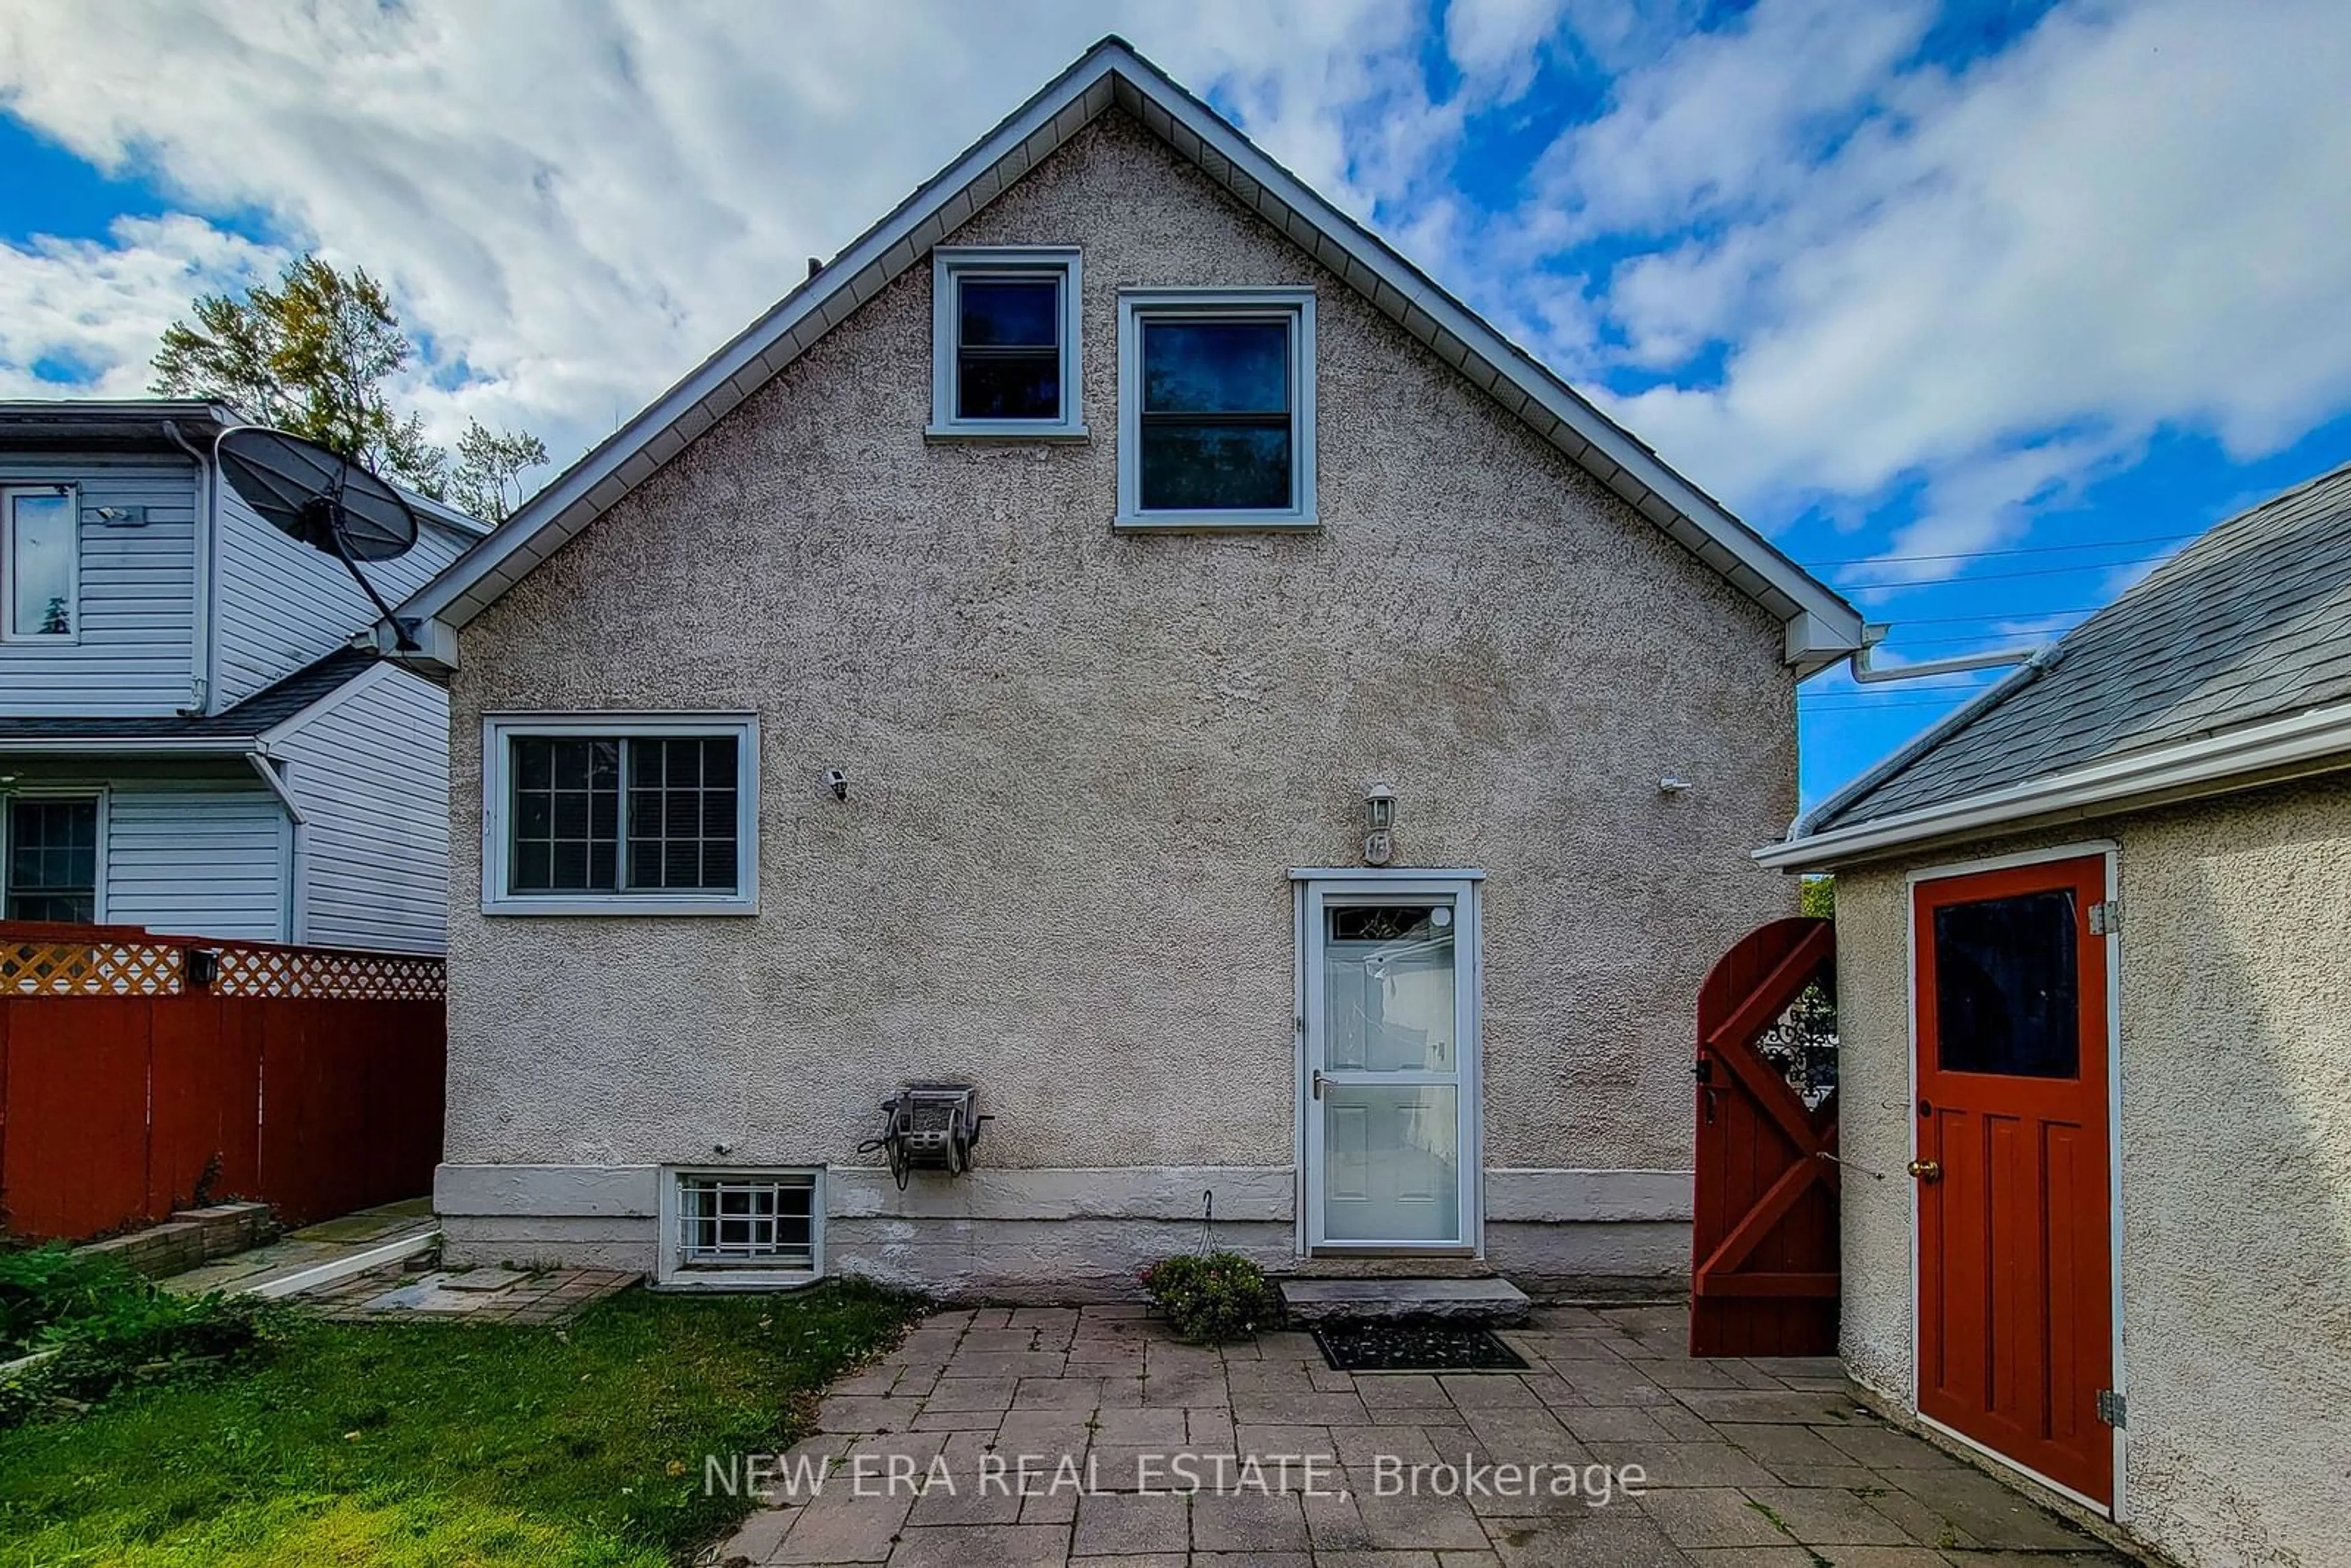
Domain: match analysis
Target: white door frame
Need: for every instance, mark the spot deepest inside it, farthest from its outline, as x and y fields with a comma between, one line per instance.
x=1311, y=887
x=2110, y=852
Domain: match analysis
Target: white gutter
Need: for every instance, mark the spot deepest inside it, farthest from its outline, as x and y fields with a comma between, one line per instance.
x=2316, y=741
x=86, y=746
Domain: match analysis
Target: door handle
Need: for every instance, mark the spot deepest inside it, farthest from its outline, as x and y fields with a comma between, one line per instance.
x=1926, y=1170
x=1318, y=1083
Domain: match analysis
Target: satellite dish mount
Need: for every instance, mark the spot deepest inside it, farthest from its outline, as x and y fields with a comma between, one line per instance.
x=327, y=501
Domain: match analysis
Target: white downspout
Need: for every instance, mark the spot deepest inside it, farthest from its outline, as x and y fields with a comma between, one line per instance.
x=1874, y=633
x=203, y=649
x=298, y=904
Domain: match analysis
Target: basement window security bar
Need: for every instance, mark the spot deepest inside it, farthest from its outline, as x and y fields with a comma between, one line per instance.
x=733, y=1221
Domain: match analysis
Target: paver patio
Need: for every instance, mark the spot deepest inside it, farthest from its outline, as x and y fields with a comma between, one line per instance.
x=1123, y=1436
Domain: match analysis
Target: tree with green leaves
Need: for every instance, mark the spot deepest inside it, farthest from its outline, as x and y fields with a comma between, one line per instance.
x=313, y=356
x=1818, y=897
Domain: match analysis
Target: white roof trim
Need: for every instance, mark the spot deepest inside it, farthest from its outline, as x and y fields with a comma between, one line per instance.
x=1822, y=625
x=2316, y=741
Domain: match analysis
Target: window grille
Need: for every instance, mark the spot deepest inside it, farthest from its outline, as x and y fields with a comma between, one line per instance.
x=732, y=1221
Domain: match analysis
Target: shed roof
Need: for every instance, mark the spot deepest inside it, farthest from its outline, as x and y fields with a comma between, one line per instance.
x=2250, y=624
x=1820, y=626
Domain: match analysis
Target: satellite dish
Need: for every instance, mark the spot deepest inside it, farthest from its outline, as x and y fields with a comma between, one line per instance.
x=329, y=502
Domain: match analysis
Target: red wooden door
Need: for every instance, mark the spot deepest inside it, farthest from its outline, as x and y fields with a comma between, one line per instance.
x=1764, y=1236
x=2015, y=1309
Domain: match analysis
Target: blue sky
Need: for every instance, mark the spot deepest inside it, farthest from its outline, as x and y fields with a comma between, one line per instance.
x=1973, y=307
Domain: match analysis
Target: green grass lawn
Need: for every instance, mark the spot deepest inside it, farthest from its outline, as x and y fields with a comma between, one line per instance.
x=430, y=1444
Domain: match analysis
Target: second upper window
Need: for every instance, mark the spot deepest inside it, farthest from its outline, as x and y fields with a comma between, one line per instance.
x=1004, y=343
x=1215, y=408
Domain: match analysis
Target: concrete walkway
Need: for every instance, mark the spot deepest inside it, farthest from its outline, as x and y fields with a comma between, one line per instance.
x=1054, y=1435
x=315, y=1249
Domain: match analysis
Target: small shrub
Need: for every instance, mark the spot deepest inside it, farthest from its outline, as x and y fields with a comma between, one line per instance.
x=106, y=1326
x=52, y=1284
x=1210, y=1297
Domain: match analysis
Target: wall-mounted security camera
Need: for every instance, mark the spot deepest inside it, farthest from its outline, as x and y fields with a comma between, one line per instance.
x=838, y=782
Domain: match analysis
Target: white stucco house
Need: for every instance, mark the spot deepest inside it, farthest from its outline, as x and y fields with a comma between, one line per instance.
x=189, y=740
x=1118, y=636
x=2093, y=961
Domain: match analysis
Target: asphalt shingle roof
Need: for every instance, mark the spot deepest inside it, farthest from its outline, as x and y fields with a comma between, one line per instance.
x=264, y=710
x=2251, y=622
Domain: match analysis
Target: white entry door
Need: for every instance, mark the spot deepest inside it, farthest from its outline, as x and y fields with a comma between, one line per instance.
x=1390, y=1063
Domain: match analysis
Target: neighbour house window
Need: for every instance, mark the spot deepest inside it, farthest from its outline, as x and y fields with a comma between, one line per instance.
x=52, y=866
x=740, y=1226
x=39, y=563
x=652, y=816
x=1004, y=343
x=1217, y=408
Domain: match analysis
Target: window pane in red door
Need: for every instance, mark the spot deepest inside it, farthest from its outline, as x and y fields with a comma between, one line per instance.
x=2006, y=991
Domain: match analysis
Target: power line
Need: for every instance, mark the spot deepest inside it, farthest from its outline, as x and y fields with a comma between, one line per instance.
x=1875, y=707
x=2008, y=576
x=1997, y=615
x=2024, y=636
x=2020, y=549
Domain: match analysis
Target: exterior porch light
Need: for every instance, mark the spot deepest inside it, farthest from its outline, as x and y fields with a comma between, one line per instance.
x=1379, y=820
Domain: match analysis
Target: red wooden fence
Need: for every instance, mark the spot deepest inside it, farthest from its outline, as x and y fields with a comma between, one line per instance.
x=132, y=1064
x=1765, y=1230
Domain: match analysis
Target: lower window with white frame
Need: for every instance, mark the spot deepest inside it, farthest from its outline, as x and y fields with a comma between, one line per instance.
x=741, y=1229
x=50, y=872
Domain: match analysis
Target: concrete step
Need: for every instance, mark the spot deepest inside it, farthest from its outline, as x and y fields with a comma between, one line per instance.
x=1388, y=1269
x=1485, y=1300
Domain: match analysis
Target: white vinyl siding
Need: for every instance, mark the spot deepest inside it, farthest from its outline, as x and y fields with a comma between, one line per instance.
x=283, y=605
x=200, y=862
x=130, y=654
x=370, y=773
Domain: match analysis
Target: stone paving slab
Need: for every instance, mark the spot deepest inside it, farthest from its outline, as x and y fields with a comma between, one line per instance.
x=1087, y=1438
x=531, y=1297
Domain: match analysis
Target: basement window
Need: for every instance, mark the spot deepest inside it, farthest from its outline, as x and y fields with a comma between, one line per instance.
x=740, y=1229
x=1004, y=344
x=644, y=815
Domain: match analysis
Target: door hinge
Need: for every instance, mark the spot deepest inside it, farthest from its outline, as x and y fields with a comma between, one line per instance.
x=2105, y=917
x=2110, y=1408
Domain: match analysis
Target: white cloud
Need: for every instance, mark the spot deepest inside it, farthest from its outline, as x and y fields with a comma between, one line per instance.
x=1849, y=274
x=90, y=311
x=2130, y=220
x=579, y=202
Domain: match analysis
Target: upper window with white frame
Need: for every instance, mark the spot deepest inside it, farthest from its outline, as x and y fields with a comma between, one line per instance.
x=1004, y=343
x=1215, y=408
x=40, y=563
x=621, y=815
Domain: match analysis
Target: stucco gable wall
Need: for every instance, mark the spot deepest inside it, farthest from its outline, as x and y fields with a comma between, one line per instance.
x=1080, y=763
x=2235, y=964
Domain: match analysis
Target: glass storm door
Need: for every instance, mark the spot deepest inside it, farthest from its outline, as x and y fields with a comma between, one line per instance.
x=2015, y=1310
x=1390, y=1037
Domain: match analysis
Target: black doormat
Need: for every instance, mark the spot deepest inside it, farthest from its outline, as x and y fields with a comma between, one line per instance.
x=1412, y=1344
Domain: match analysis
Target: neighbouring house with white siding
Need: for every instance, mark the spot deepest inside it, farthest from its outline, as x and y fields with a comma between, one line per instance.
x=188, y=741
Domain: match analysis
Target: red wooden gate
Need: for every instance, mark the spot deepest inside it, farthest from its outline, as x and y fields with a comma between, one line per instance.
x=1764, y=1276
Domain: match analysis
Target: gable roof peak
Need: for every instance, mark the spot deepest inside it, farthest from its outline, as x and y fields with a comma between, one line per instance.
x=1820, y=626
